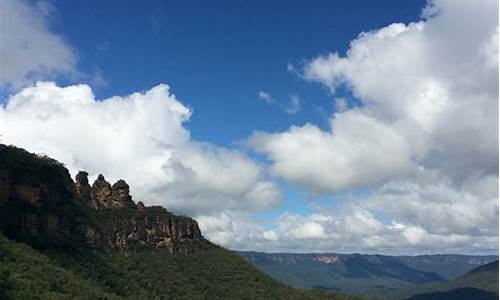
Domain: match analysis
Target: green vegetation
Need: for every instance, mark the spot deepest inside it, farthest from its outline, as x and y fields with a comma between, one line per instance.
x=448, y=266
x=372, y=276
x=351, y=273
x=28, y=274
x=214, y=274
x=479, y=283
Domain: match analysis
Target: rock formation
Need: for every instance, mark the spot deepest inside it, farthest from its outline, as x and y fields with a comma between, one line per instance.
x=151, y=228
x=140, y=227
x=102, y=194
x=120, y=195
x=83, y=190
x=101, y=191
x=140, y=206
x=39, y=205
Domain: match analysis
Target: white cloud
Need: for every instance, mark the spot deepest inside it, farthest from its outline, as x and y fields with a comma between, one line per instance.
x=266, y=97
x=140, y=138
x=439, y=206
x=270, y=235
x=430, y=99
x=353, y=153
x=29, y=49
x=235, y=229
x=354, y=228
x=341, y=104
x=424, y=141
x=309, y=230
x=293, y=106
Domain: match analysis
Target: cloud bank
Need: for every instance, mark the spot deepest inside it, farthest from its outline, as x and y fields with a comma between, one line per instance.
x=424, y=140
x=140, y=138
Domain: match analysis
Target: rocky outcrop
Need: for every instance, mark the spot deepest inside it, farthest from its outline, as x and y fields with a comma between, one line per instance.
x=42, y=206
x=150, y=228
x=83, y=190
x=102, y=194
x=101, y=191
x=120, y=195
x=128, y=227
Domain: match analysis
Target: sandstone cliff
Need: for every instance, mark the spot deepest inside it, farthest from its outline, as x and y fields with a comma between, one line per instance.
x=128, y=227
x=36, y=201
x=42, y=206
x=102, y=194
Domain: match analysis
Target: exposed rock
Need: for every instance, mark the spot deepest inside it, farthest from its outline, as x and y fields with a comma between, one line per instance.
x=151, y=228
x=83, y=189
x=28, y=193
x=39, y=206
x=120, y=195
x=4, y=187
x=37, y=201
x=101, y=192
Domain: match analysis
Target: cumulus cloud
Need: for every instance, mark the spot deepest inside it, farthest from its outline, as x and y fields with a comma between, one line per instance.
x=437, y=96
x=141, y=138
x=352, y=154
x=438, y=206
x=235, y=229
x=30, y=50
x=425, y=138
x=355, y=227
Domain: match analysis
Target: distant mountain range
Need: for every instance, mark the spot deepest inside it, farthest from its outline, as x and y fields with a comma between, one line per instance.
x=480, y=283
x=363, y=274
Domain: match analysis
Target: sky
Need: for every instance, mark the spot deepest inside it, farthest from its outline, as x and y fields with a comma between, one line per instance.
x=318, y=126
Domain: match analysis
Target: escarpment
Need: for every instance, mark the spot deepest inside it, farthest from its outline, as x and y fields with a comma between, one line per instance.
x=42, y=206
x=37, y=203
x=128, y=227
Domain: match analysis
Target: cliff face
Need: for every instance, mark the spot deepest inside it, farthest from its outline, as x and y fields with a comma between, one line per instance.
x=128, y=227
x=152, y=228
x=36, y=201
x=41, y=205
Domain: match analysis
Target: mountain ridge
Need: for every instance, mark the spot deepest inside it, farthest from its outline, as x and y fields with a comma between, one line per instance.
x=360, y=273
x=480, y=283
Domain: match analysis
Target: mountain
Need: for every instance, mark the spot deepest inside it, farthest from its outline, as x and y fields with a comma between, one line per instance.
x=480, y=283
x=362, y=274
x=61, y=239
x=448, y=266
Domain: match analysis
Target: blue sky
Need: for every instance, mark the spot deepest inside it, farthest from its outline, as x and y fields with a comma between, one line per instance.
x=349, y=126
x=218, y=55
